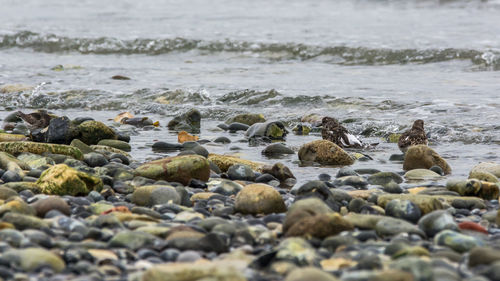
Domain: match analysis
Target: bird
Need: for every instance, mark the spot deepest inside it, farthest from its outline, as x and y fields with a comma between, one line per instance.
x=332, y=130
x=36, y=120
x=414, y=136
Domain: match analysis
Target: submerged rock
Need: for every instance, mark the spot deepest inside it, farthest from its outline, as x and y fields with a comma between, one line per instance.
x=325, y=152
x=424, y=157
x=177, y=168
x=63, y=180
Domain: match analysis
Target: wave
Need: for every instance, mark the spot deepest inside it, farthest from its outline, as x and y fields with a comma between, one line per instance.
x=342, y=55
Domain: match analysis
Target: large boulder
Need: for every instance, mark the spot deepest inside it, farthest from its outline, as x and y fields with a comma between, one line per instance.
x=325, y=152
x=176, y=169
x=64, y=180
x=91, y=132
x=19, y=147
x=424, y=157
x=259, y=199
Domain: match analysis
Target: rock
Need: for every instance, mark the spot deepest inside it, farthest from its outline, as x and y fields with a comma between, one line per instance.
x=63, y=180
x=403, y=209
x=483, y=256
x=61, y=131
x=188, y=121
x=151, y=195
x=247, y=118
x=241, y=172
x=132, y=240
x=176, y=169
x=363, y=221
x=309, y=273
x=324, y=152
x=274, y=130
x=15, y=88
x=22, y=222
x=425, y=203
x=224, y=187
x=424, y=157
x=6, y=193
x=346, y=171
x=11, y=176
x=259, y=199
x=223, y=140
x=303, y=209
x=483, y=176
x=108, y=149
x=319, y=226
x=226, y=161
x=419, y=268
x=473, y=187
x=276, y=149
x=296, y=250
x=488, y=167
x=35, y=161
x=17, y=206
x=91, y=132
x=388, y=226
x=161, y=146
x=354, y=181
x=19, y=147
x=279, y=171
x=236, y=126
x=421, y=175
x=84, y=148
x=301, y=130
x=227, y=270
x=31, y=259
x=457, y=241
x=44, y=205
x=95, y=159
x=384, y=178
x=116, y=144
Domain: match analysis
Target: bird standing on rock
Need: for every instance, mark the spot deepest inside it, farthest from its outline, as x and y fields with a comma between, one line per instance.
x=332, y=130
x=414, y=136
x=36, y=120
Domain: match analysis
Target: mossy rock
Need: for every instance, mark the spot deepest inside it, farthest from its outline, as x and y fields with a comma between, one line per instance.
x=118, y=144
x=104, y=149
x=19, y=147
x=23, y=185
x=247, y=118
x=176, y=169
x=423, y=157
x=226, y=161
x=325, y=152
x=12, y=137
x=64, y=180
x=91, y=132
x=31, y=259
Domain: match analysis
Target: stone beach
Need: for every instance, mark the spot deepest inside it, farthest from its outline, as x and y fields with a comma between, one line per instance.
x=75, y=205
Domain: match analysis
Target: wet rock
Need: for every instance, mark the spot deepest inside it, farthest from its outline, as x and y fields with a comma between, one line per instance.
x=279, y=171
x=35, y=161
x=487, y=167
x=106, y=150
x=424, y=157
x=188, y=121
x=421, y=175
x=274, y=130
x=309, y=273
x=17, y=205
x=6, y=193
x=483, y=256
x=12, y=137
x=354, y=181
x=457, y=241
x=236, y=126
x=403, y=209
x=132, y=240
x=247, y=118
x=44, y=205
x=61, y=131
x=425, y=203
x=94, y=159
x=215, y=270
x=151, y=195
x=297, y=251
x=390, y=226
x=11, y=176
x=223, y=140
x=19, y=147
x=473, y=187
x=384, y=178
x=363, y=221
x=324, y=152
x=259, y=199
x=91, y=132
x=31, y=259
x=178, y=169
x=63, y=180
x=223, y=162
x=22, y=222
x=301, y=130
x=241, y=172
x=346, y=171
x=84, y=148
x=319, y=226
x=303, y=209
x=161, y=146
x=224, y=187
x=276, y=149
x=116, y=144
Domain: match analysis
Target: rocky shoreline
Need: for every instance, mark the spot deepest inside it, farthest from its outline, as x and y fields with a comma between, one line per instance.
x=74, y=205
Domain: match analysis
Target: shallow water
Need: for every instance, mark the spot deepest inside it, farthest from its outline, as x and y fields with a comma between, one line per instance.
x=380, y=64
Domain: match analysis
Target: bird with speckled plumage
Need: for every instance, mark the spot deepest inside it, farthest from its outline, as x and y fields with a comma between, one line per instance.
x=332, y=130
x=414, y=136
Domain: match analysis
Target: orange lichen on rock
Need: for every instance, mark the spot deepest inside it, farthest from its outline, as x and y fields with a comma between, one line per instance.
x=184, y=136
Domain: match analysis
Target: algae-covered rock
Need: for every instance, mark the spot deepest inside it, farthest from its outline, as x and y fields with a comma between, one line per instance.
x=227, y=270
x=274, y=130
x=424, y=157
x=12, y=137
x=31, y=259
x=325, y=152
x=425, y=203
x=19, y=147
x=189, y=121
x=226, y=161
x=11, y=163
x=35, y=161
x=22, y=221
x=176, y=169
x=259, y=199
x=298, y=251
x=91, y=132
x=116, y=144
x=247, y=118
x=64, y=180
x=105, y=149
